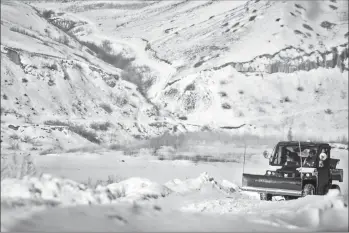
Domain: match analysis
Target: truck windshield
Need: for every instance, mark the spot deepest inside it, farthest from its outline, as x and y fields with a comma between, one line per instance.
x=286, y=154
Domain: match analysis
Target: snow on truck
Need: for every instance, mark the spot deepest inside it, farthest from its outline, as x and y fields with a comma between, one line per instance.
x=297, y=169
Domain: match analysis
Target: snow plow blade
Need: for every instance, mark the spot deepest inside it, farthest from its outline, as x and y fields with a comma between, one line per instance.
x=272, y=185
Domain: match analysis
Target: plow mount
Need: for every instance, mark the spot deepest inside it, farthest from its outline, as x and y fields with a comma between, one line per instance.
x=272, y=185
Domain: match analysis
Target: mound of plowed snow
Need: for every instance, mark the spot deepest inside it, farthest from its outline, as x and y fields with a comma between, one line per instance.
x=137, y=188
x=204, y=183
x=68, y=192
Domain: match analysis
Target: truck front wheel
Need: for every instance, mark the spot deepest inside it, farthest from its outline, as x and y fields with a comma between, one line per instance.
x=265, y=196
x=308, y=189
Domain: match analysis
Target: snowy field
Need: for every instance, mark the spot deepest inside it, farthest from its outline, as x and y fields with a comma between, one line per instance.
x=114, y=192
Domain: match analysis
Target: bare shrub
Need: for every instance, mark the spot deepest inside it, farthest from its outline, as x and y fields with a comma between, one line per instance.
x=56, y=123
x=306, y=26
x=299, y=6
x=116, y=147
x=226, y=106
x=14, y=145
x=343, y=94
x=327, y=25
x=110, y=180
x=17, y=166
x=66, y=75
x=190, y=87
x=171, y=92
x=63, y=39
x=27, y=139
x=51, y=82
x=223, y=94
x=333, y=7
x=299, y=88
x=241, y=92
x=89, y=135
x=24, y=32
x=116, y=60
x=4, y=97
x=78, y=129
x=14, y=137
x=285, y=100
x=107, y=45
x=47, y=14
x=106, y=107
x=252, y=18
x=101, y=126
x=24, y=80
x=50, y=66
x=328, y=111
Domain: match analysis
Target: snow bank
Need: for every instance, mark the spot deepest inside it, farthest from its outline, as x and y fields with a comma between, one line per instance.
x=137, y=188
x=202, y=183
x=68, y=192
x=48, y=188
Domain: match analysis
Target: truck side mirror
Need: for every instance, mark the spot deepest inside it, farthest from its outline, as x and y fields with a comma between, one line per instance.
x=266, y=154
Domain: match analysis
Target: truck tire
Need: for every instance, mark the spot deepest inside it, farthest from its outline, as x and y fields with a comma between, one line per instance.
x=288, y=198
x=336, y=186
x=265, y=197
x=308, y=189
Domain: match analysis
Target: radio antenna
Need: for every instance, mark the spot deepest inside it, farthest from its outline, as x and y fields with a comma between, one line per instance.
x=300, y=157
x=243, y=166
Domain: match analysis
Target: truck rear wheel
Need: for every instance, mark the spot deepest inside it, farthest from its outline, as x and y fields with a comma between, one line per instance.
x=336, y=186
x=308, y=189
x=265, y=196
x=287, y=198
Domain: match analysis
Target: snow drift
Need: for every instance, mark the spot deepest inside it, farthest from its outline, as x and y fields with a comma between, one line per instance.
x=312, y=213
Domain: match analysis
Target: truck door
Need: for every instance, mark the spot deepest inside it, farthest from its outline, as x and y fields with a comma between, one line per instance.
x=323, y=171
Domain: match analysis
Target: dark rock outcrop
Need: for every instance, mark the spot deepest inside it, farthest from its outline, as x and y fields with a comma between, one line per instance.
x=279, y=62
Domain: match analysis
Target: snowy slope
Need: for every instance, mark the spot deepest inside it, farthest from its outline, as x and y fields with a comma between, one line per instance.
x=49, y=75
x=279, y=47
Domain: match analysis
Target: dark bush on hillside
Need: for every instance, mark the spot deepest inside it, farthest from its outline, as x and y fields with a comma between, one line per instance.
x=47, y=14
x=306, y=26
x=78, y=129
x=252, y=18
x=226, y=106
x=100, y=126
x=89, y=135
x=327, y=25
x=300, y=88
x=190, y=87
x=116, y=60
x=106, y=108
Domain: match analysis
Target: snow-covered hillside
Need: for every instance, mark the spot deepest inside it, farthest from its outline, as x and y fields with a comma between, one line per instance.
x=55, y=91
x=271, y=64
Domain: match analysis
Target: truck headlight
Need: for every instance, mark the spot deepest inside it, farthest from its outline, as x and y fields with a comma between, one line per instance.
x=268, y=173
x=307, y=175
x=285, y=175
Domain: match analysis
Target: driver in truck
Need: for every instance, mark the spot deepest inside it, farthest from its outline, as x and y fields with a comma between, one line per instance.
x=310, y=160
